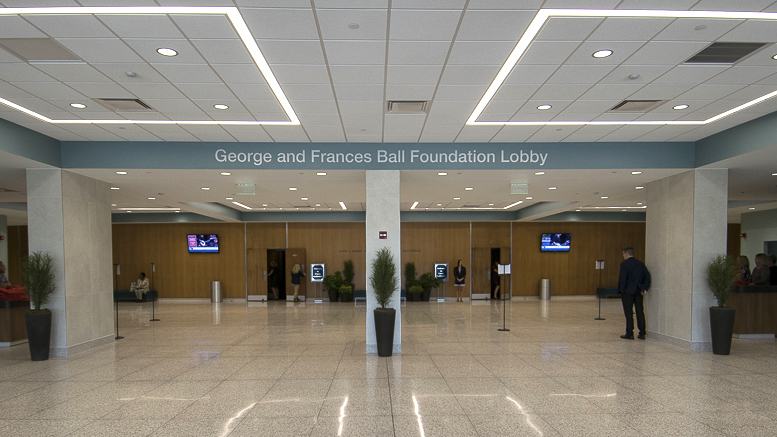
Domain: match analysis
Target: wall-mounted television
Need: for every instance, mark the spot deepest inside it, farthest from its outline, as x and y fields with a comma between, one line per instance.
x=555, y=242
x=203, y=243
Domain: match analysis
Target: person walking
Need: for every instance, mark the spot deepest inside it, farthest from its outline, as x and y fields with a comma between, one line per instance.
x=633, y=283
x=296, y=273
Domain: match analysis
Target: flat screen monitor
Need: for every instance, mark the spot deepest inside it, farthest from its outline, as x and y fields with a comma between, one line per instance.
x=203, y=243
x=555, y=242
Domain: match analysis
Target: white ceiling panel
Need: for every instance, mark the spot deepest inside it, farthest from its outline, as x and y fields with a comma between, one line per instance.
x=314, y=106
x=579, y=4
x=7, y=57
x=493, y=25
x=239, y=73
x=415, y=25
x=480, y=52
x=661, y=91
x=621, y=117
x=17, y=27
x=360, y=106
x=294, y=92
x=248, y=133
x=447, y=119
x=117, y=72
x=141, y=26
x=254, y=106
x=49, y=89
x=292, y=51
x=70, y=26
x=547, y=52
x=410, y=92
x=345, y=52
x=308, y=74
x=362, y=119
x=611, y=92
x=335, y=23
x=452, y=107
x=205, y=90
x=391, y=137
x=459, y=92
x=359, y=92
x=679, y=5
x=580, y=74
x=665, y=52
x=96, y=90
x=623, y=52
x=147, y=48
x=516, y=134
x=153, y=90
x=739, y=75
x=9, y=91
x=363, y=129
x=647, y=73
x=172, y=105
x=504, y=4
x=749, y=93
x=22, y=72
x=178, y=136
x=690, y=29
x=223, y=51
x=629, y=29
x=592, y=106
x=529, y=74
x=752, y=31
x=516, y=92
x=560, y=91
x=477, y=134
x=291, y=137
x=469, y=74
x=320, y=119
x=694, y=74
x=188, y=73
x=411, y=121
x=704, y=91
x=628, y=133
x=72, y=72
x=568, y=28
x=286, y=24
x=205, y=26
x=413, y=74
x=215, y=137
x=357, y=74
x=417, y=52
x=101, y=50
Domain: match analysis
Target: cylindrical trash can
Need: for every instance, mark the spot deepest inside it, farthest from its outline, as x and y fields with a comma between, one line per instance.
x=544, y=289
x=215, y=291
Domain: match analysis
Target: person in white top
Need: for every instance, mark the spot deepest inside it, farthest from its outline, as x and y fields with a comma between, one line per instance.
x=141, y=286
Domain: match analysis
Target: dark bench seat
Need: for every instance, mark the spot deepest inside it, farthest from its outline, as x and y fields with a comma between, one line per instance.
x=607, y=292
x=129, y=296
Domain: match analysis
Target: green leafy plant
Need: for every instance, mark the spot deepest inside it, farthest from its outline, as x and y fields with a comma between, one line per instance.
x=416, y=289
x=409, y=275
x=38, y=278
x=348, y=272
x=721, y=273
x=333, y=282
x=346, y=289
x=383, y=278
x=427, y=281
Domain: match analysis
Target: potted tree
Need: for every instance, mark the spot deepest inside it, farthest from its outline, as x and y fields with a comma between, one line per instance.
x=721, y=273
x=414, y=293
x=346, y=293
x=348, y=273
x=332, y=283
x=427, y=282
x=410, y=279
x=38, y=280
x=383, y=282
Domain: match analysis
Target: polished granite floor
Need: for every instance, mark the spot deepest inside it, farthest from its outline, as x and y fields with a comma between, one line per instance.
x=282, y=369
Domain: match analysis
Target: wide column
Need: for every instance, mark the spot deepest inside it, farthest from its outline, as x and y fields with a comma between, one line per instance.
x=69, y=216
x=383, y=216
x=686, y=228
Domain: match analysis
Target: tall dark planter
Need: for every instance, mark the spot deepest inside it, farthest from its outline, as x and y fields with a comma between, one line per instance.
x=38, y=334
x=384, y=330
x=425, y=295
x=334, y=295
x=722, y=329
x=346, y=297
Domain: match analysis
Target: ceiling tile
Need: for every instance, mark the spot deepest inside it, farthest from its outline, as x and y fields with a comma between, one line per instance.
x=515, y=134
x=561, y=91
x=477, y=134
x=215, y=137
x=493, y=25
x=410, y=92
x=17, y=27
x=345, y=52
x=223, y=51
x=361, y=119
x=360, y=106
x=287, y=24
x=414, y=25
x=582, y=74
x=257, y=107
x=647, y=73
x=375, y=4
x=147, y=48
x=239, y=73
x=480, y=52
x=706, y=91
x=205, y=90
x=101, y=50
x=170, y=105
x=592, y=106
x=70, y=26
x=460, y=92
x=335, y=23
x=72, y=72
x=417, y=52
x=661, y=91
x=319, y=119
x=205, y=26
x=621, y=51
x=101, y=90
x=49, y=89
x=529, y=74
x=739, y=75
x=306, y=92
x=452, y=107
x=117, y=72
x=314, y=106
x=188, y=73
x=310, y=74
x=11, y=92
x=611, y=92
x=413, y=74
x=363, y=129
x=22, y=72
x=568, y=28
x=153, y=90
x=684, y=29
x=629, y=29
x=504, y=4
x=693, y=74
x=469, y=74
x=628, y=133
x=547, y=52
x=679, y=5
x=248, y=133
x=357, y=74
x=665, y=52
x=141, y=26
x=292, y=52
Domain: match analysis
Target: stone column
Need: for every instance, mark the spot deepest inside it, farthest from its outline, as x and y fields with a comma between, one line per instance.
x=69, y=216
x=383, y=215
x=686, y=228
x=4, y=241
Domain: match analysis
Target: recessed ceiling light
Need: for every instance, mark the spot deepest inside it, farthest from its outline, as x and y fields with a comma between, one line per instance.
x=264, y=204
x=229, y=198
x=225, y=173
x=177, y=210
x=490, y=204
x=751, y=209
x=623, y=210
x=303, y=198
x=639, y=188
x=639, y=203
x=774, y=174
x=206, y=188
x=551, y=188
x=529, y=198
x=513, y=204
x=442, y=173
x=577, y=210
x=457, y=198
x=679, y=107
x=129, y=211
x=439, y=204
x=342, y=205
x=292, y=189
x=636, y=172
x=539, y=173
x=602, y=53
x=220, y=106
x=321, y=173
x=469, y=189
x=544, y=107
x=152, y=198
x=242, y=206
x=113, y=204
x=78, y=105
x=605, y=197
x=166, y=52
x=121, y=172
x=774, y=57
x=414, y=205
x=114, y=188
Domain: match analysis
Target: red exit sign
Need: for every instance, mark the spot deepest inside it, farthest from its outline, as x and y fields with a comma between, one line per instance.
x=382, y=235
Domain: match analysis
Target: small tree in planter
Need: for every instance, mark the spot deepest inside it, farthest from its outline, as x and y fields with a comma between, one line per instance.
x=332, y=283
x=721, y=273
x=410, y=279
x=38, y=280
x=346, y=293
x=383, y=282
x=414, y=293
x=348, y=273
x=427, y=282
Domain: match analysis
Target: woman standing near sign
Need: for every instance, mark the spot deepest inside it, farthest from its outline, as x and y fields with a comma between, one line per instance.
x=459, y=273
x=296, y=273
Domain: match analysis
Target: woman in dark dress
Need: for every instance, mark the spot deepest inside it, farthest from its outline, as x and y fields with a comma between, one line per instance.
x=459, y=274
x=273, y=276
x=495, y=282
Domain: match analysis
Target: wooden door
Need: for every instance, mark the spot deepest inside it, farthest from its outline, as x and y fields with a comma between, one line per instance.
x=296, y=256
x=255, y=271
x=479, y=272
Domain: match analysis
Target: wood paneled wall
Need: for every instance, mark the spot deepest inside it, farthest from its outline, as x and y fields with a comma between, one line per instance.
x=331, y=244
x=573, y=272
x=18, y=250
x=178, y=272
x=259, y=238
x=734, y=241
x=427, y=243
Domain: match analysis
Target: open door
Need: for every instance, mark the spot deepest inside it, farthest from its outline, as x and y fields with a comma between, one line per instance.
x=480, y=275
x=293, y=257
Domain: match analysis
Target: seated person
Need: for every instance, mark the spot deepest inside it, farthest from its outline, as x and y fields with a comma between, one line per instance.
x=141, y=286
x=760, y=275
x=743, y=277
x=4, y=282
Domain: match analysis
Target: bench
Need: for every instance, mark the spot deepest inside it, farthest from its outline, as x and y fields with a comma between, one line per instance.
x=607, y=292
x=129, y=296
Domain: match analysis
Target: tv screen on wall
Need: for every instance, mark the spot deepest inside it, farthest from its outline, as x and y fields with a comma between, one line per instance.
x=203, y=243
x=555, y=242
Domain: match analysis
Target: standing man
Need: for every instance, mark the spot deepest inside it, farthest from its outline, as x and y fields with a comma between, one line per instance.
x=633, y=283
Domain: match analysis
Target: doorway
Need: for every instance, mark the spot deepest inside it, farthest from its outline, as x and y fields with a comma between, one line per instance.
x=276, y=274
x=493, y=276
x=770, y=247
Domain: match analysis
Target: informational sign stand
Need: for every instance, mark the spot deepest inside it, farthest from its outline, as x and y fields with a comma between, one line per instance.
x=503, y=269
x=600, y=267
x=317, y=274
x=441, y=272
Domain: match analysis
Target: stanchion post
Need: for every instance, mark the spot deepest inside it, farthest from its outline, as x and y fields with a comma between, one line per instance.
x=600, y=267
x=504, y=308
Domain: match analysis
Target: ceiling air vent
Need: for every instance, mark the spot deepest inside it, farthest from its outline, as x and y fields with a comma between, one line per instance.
x=407, y=106
x=39, y=50
x=636, y=105
x=125, y=105
x=724, y=52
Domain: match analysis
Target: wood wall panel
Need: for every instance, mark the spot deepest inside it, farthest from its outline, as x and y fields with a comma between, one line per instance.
x=179, y=273
x=573, y=272
x=427, y=243
x=331, y=244
x=17, y=251
x=259, y=238
x=734, y=241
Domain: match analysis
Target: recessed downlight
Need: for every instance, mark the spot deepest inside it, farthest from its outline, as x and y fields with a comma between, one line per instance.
x=220, y=106
x=751, y=208
x=551, y=188
x=121, y=172
x=680, y=107
x=442, y=173
x=774, y=57
x=225, y=173
x=164, y=51
x=321, y=173
x=457, y=198
x=539, y=173
x=529, y=198
x=469, y=188
x=439, y=204
x=206, y=188
x=342, y=205
x=544, y=107
x=602, y=53
x=636, y=172
x=605, y=197
x=490, y=204
x=152, y=198
x=303, y=198
x=639, y=188
x=229, y=198
x=78, y=105
x=414, y=205
x=114, y=188
x=774, y=174
x=113, y=204
x=292, y=189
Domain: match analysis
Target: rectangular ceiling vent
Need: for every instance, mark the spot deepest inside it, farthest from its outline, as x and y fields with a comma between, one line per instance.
x=125, y=105
x=636, y=105
x=407, y=106
x=724, y=52
x=39, y=50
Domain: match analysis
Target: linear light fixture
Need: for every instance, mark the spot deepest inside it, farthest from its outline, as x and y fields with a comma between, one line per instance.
x=232, y=13
x=513, y=204
x=342, y=205
x=542, y=17
x=148, y=209
x=242, y=206
x=414, y=205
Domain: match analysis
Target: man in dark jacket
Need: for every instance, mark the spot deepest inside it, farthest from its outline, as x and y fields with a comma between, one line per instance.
x=633, y=283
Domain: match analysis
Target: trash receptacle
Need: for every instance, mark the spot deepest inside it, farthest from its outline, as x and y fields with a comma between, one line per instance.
x=215, y=291
x=544, y=289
